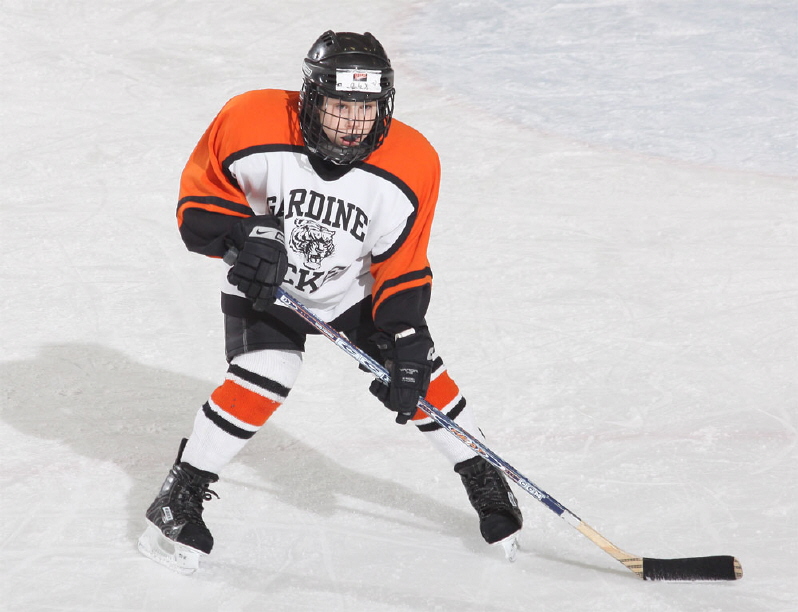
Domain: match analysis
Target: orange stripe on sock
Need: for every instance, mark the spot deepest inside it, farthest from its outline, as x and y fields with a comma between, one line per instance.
x=440, y=394
x=243, y=404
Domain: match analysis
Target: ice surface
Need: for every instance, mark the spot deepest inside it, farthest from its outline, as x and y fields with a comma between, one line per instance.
x=615, y=291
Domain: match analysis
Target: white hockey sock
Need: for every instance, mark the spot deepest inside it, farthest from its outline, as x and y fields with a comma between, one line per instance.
x=218, y=436
x=451, y=447
x=210, y=448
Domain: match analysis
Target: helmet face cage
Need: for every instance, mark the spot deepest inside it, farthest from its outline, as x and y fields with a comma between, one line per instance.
x=315, y=104
x=355, y=69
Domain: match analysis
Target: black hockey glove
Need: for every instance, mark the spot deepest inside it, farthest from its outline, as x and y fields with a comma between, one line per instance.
x=408, y=360
x=258, y=258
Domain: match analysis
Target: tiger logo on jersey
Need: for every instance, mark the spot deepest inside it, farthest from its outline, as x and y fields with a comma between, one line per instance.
x=313, y=241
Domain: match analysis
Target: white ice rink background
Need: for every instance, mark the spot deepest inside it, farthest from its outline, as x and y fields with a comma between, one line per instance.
x=615, y=291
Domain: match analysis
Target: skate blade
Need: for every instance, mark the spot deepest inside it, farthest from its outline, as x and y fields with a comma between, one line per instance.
x=510, y=545
x=177, y=557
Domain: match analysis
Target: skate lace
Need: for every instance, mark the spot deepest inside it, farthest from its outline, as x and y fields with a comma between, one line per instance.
x=485, y=492
x=192, y=498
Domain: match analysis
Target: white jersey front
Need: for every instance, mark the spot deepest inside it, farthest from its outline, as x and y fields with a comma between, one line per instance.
x=360, y=232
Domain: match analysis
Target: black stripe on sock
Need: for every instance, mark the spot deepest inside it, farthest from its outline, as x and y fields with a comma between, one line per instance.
x=225, y=426
x=259, y=381
x=452, y=414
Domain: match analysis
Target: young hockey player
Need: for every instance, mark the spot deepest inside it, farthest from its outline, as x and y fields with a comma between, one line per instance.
x=323, y=193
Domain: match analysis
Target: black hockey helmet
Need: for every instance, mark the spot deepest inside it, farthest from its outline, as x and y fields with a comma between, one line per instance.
x=352, y=67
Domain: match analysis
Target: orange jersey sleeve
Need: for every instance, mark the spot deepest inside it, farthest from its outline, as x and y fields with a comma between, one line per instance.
x=210, y=199
x=404, y=269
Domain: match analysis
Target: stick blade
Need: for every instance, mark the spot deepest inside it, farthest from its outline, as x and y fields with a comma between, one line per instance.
x=721, y=567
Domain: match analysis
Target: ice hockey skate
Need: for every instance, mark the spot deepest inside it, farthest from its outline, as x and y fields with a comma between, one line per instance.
x=176, y=536
x=500, y=518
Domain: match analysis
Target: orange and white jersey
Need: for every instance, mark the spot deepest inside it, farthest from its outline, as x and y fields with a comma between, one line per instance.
x=347, y=237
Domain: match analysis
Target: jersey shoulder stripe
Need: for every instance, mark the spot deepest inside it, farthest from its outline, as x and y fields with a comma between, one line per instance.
x=266, y=117
x=411, y=159
x=254, y=150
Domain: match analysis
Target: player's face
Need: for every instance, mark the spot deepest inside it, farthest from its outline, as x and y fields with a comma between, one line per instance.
x=347, y=123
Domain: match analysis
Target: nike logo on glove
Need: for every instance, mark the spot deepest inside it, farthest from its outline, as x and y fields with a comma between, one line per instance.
x=267, y=232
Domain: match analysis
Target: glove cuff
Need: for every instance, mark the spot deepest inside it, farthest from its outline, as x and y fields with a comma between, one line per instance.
x=411, y=345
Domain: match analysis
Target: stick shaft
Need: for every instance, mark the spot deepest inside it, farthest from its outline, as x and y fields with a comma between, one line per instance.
x=696, y=568
x=441, y=419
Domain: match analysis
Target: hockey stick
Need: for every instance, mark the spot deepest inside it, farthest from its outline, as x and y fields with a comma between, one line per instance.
x=721, y=567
